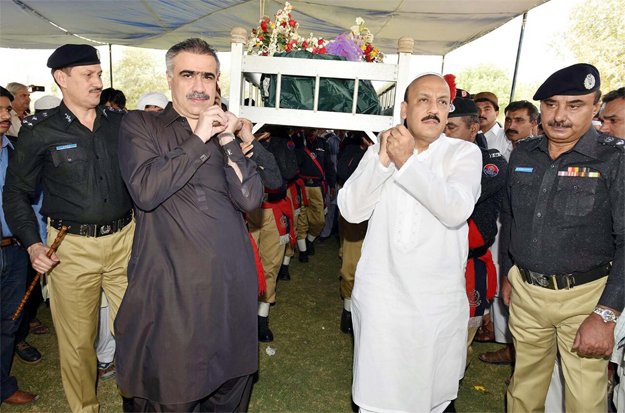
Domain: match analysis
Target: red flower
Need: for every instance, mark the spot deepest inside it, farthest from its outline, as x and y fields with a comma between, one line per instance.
x=320, y=42
x=261, y=38
x=292, y=23
x=263, y=25
x=283, y=24
x=305, y=44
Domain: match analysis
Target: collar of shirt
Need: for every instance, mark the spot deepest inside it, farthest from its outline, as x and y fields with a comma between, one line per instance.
x=170, y=115
x=69, y=117
x=6, y=142
x=494, y=131
x=586, y=145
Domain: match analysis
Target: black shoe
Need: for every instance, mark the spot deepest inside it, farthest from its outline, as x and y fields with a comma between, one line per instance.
x=27, y=353
x=303, y=256
x=346, y=322
x=310, y=247
x=283, y=274
x=264, y=333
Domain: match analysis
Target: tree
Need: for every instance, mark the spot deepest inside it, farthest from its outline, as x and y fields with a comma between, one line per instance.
x=596, y=35
x=486, y=78
x=139, y=72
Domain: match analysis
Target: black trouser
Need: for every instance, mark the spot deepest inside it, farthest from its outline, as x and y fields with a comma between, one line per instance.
x=31, y=307
x=14, y=265
x=232, y=396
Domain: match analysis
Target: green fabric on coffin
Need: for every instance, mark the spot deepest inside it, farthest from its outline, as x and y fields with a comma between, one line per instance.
x=335, y=95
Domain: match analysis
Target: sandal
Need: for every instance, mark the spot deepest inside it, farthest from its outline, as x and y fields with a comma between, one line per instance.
x=504, y=355
x=37, y=327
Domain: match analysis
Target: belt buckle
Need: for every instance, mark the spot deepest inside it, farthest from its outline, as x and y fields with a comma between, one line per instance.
x=104, y=229
x=84, y=230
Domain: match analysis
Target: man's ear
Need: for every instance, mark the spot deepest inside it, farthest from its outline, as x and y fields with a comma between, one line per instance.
x=60, y=77
x=403, y=113
x=475, y=128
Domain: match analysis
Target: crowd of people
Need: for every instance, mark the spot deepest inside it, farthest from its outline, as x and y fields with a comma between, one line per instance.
x=181, y=222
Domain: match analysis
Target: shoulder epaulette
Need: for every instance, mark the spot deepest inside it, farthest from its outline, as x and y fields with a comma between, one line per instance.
x=493, y=153
x=106, y=110
x=611, y=141
x=33, y=120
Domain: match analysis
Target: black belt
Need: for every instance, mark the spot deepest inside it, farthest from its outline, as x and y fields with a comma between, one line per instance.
x=564, y=281
x=8, y=241
x=93, y=230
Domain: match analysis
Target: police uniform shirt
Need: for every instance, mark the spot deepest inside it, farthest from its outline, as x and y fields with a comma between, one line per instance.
x=567, y=215
x=78, y=169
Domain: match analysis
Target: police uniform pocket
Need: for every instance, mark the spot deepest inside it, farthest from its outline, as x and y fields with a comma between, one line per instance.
x=71, y=163
x=524, y=189
x=576, y=195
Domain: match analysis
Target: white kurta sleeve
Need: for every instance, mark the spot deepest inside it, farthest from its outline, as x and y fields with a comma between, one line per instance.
x=360, y=194
x=449, y=198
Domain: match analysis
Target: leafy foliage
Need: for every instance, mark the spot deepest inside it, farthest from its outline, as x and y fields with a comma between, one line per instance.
x=596, y=35
x=139, y=72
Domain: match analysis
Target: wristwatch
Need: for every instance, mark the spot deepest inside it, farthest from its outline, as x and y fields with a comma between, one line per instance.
x=606, y=314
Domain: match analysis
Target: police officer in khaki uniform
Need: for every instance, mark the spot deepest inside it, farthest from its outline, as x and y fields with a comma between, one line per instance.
x=563, y=230
x=72, y=151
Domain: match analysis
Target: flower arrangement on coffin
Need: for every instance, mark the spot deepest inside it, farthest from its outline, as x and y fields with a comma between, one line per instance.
x=281, y=35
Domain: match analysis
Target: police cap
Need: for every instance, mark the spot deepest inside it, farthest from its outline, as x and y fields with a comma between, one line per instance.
x=71, y=55
x=462, y=107
x=575, y=80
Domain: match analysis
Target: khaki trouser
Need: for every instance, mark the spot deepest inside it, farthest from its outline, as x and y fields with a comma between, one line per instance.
x=264, y=230
x=88, y=266
x=311, y=220
x=351, y=236
x=543, y=322
x=290, y=250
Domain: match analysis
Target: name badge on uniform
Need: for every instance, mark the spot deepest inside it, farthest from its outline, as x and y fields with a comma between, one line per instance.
x=580, y=171
x=524, y=169
x=68, y=146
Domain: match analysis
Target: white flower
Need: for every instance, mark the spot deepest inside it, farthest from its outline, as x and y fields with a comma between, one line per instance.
x=359, y=21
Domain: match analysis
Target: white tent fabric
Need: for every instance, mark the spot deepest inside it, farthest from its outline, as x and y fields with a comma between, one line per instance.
x=438, y=26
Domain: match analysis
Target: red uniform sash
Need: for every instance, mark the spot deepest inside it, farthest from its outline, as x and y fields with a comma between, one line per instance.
x=283, y=214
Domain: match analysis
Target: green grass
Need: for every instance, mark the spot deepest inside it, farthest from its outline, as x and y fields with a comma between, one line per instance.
x=310, y=370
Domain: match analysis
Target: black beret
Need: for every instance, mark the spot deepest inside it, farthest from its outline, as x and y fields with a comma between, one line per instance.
x=70, y=55
x=575, y=80
x=462, y=107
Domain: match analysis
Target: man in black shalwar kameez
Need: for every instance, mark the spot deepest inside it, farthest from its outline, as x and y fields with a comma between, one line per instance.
x=186, y=330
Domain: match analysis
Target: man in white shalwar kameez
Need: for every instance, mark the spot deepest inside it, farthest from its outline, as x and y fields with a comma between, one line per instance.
x=417, y=188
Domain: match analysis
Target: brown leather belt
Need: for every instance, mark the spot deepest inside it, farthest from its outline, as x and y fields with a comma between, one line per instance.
x=93, y=230
x=8, y=241
x=564, y=281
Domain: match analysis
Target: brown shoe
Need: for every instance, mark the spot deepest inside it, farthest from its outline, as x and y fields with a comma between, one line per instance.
x=486, y=332
x=21, y=397
x=504, y=355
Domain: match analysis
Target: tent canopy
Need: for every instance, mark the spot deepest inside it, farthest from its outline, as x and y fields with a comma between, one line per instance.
x=438, y=26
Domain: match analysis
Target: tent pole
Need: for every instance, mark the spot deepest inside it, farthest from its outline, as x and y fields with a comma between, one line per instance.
x=518, y=56
x=443, y=65
x=262, y=8
x=111, y=64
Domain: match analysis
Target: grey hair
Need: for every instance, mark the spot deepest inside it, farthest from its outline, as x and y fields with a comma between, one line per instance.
x=193, y=45
x=13, y=87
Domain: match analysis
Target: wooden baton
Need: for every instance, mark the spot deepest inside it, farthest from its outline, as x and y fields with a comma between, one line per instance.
x=31, y=287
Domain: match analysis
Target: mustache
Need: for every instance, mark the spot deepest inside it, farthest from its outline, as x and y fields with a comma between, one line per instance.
x=431, y=117
x=556, y=124
x=514, y=131
x=198, y=95
x=95, y=90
